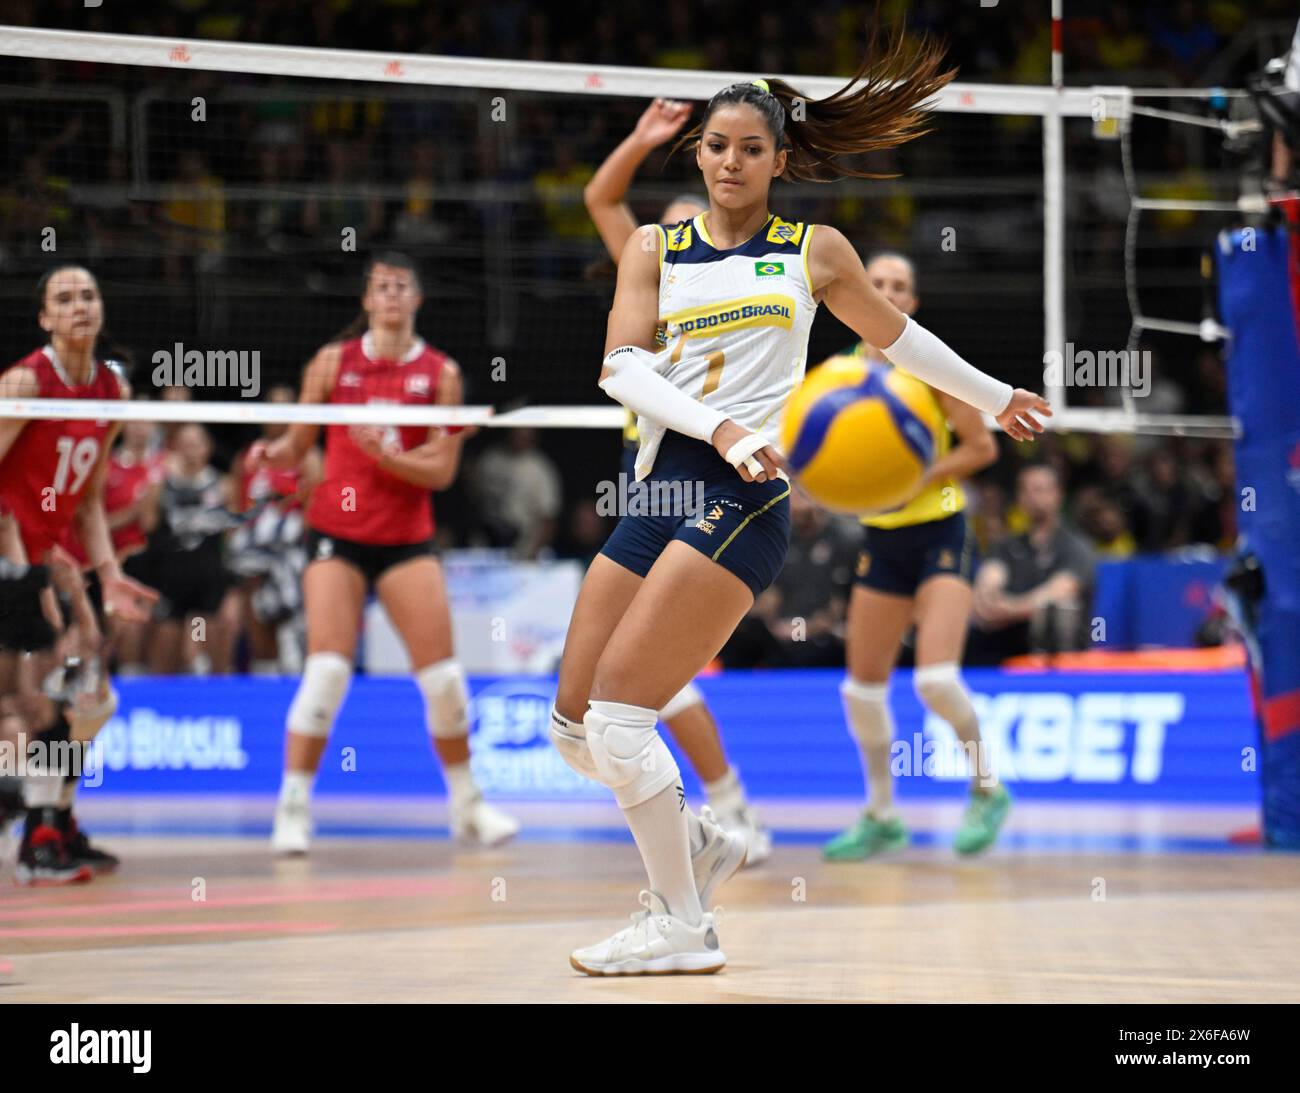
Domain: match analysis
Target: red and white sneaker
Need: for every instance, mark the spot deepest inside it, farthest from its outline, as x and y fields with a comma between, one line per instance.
x=43, y=860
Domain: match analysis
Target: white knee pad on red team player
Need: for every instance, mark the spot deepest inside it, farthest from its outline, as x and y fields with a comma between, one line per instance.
x=629, y=755
x=684, y=699
x=446, y=699
x=325, y=679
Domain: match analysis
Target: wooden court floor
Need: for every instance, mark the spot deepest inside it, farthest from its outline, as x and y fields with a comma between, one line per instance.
x=1092, y=904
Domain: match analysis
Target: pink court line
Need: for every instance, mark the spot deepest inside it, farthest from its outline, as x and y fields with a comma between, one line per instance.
x=170, y=928
x=337, y=892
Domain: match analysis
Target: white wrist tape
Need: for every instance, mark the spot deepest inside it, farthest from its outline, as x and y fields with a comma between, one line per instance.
x=919, y=352
x=632, y=380
x=743, y=452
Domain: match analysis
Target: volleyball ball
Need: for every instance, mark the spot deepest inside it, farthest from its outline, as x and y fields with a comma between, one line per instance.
x=859, y=437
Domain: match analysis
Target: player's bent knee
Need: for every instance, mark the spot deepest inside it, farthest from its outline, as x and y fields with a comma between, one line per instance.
x=684, y=699
x=629, y=755
x=570, y=740
x=446, y=699
x=325, y=679
x=940, y=688
x=867, y=706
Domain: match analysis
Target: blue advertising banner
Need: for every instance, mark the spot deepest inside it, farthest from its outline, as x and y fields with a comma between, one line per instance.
x=1122, y=736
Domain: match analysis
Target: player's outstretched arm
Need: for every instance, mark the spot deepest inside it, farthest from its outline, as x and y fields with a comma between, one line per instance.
x=15, y=383
x=122, y=595
x=287, y=450
x=840, y=280
x=604, y=194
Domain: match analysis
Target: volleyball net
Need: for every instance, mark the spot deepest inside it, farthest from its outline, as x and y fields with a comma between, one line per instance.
x=227, y=196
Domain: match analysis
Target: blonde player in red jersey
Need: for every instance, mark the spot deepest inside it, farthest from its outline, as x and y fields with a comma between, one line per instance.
x=51, y=481
x=370, y=525
x=687, y=715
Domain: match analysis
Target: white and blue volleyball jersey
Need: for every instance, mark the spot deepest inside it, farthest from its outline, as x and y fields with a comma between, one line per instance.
x=735, y=323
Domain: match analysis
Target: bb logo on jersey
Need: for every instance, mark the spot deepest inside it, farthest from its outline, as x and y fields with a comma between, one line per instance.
x=417, y=385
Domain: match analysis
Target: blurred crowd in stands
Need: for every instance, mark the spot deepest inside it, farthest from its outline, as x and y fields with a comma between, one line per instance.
x=272, y=178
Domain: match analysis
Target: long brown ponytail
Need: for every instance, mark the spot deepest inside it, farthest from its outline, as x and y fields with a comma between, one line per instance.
x=883, y=105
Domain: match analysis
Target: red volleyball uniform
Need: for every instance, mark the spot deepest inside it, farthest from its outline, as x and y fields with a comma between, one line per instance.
x=125, y=481
x=268, y=482
x=356, y=500
x=44, y=474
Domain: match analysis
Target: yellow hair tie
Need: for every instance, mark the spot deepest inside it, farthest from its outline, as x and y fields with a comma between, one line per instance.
x=763, y=85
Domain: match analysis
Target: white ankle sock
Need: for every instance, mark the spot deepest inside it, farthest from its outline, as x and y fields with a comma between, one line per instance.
x=726, y=795
x=295, y=788
x=866, y=708
x=460, y=784
x=42, y=790
x=661, y=830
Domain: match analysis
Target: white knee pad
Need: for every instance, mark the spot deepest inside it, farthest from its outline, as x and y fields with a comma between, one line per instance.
x=570, y=741
x=684, y=699
x=866, y=709
x=629, y=754
x=446, y=699
x=940, y=688
x=325, y=679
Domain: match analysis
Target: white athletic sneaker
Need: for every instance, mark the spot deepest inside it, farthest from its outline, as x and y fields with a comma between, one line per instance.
x=657, y=943
x=745, y=822
x=722, y=854
x=292, y=831
x=482, y=824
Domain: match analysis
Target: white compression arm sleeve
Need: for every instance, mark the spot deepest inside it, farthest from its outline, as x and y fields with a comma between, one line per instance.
x=919, y=352
x=632, y=380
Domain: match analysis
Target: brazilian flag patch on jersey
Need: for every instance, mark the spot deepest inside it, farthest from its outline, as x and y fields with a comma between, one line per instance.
x=769, y=269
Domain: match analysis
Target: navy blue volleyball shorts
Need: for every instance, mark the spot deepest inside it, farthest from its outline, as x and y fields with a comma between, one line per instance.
x=899, y=560
x=695, y=495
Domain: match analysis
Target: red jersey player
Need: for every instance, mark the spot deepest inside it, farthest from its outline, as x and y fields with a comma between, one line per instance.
x=51, y=479
x=370, y=525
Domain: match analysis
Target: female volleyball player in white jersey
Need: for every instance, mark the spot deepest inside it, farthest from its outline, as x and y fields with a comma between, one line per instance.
x=687, y=715
x=915, y=568
x=370, y=526
x=737, y=289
